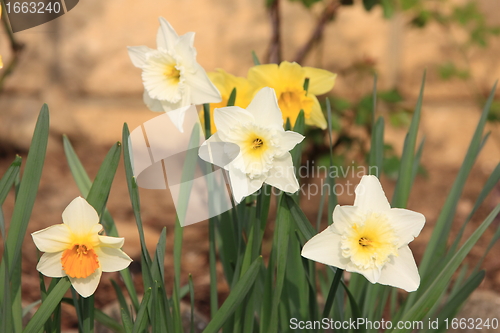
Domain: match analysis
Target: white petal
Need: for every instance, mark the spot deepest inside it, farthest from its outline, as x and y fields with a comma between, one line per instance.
x=112, y=259
x=166, y=36
x=169, y=106
x=87, y=286
x=116, y=242
x=370, y=196
x=80, y=216
x=372, y=275
x=214, y=151
x=138, y=55
x=264, y=107
x=52, y=239
x=407, y=224
x=344, y=217
x=401, y=272
x=325, y=248
x=177, y=117
x=241, y=185
x=151, y=103
x=202, y=89
x=289, y=140
x=185, y=50
x=282, y=175
x=226, y=118
x=50, y=265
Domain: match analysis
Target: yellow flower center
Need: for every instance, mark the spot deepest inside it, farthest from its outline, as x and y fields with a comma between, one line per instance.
x=370, y=243
x=79, y=261
x=291, y=101
x=172, y=74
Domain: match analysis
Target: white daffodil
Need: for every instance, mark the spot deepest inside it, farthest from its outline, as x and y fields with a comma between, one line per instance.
x=75, y=248
x=370, y=238
x=172, y=78
x=264, y=146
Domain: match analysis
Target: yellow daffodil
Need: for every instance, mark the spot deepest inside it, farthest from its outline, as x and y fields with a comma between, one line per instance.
x=226, y=82
x=263, y=155
x=370, y=238
x=287, y=80
x=75, y=249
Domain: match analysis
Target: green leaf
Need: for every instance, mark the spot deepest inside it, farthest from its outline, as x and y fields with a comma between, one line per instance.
x=141, y=321
x=9, y=178
x=452, y=306
x=437, y=244
x=432, y=294
x=235, y=297
x=405, y=180
x=255, y=59
x=48, y=305
x=369, y=4
x=232, y=98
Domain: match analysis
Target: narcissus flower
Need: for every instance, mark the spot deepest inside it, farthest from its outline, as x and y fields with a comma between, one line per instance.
x=172, y=78
x=264, y=146
x=75, y=249
x=225, y=83
x=288, y=79
x=370, y=238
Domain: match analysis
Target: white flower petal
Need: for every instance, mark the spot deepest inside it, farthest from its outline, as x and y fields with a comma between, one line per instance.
x=407, y=224
x=370, y=196
x=202, y=89
x=177, y=117
x=289, y=140
x=50, y=265
x=264, y=107
x=185, y=49
x=151, y=103
x=87, y=286
x=112, y=259
x=80, y=216
x=371, y=274
x=226, y=118
x=241, y=185
x=344, y=217
x=401, y=272
x=53, y=239
x=325, y=248
x=282, y=175
x=116, y=242
x=166, y=37
x=138, y=55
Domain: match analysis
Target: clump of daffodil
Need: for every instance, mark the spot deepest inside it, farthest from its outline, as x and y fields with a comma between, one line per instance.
x=171, y=75
x=262, y=146
x=76, y=250
x=225, y=83
x=370, y=238
x=287, y=80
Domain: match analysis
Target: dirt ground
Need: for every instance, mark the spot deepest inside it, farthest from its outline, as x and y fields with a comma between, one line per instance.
x=57, y=189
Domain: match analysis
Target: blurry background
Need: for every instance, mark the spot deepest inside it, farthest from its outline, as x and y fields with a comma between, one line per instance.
x=79, y=65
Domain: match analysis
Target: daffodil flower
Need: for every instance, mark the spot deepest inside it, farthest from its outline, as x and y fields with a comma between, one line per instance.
x=76, y=250
x=264, y=146
x=288, y=79
x=226, y=82
x=370, y=238
x=172, y=78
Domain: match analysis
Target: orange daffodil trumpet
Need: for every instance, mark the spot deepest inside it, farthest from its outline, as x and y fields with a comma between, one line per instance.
x=370, y=238
x=264, y=146
x=287, y=80
x=172, y=78
x=75, y=249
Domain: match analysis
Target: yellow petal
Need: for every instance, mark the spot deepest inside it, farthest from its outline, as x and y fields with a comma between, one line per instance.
x=292, y=74
x=320, y=80
x=264, y=76
x=316, y=118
